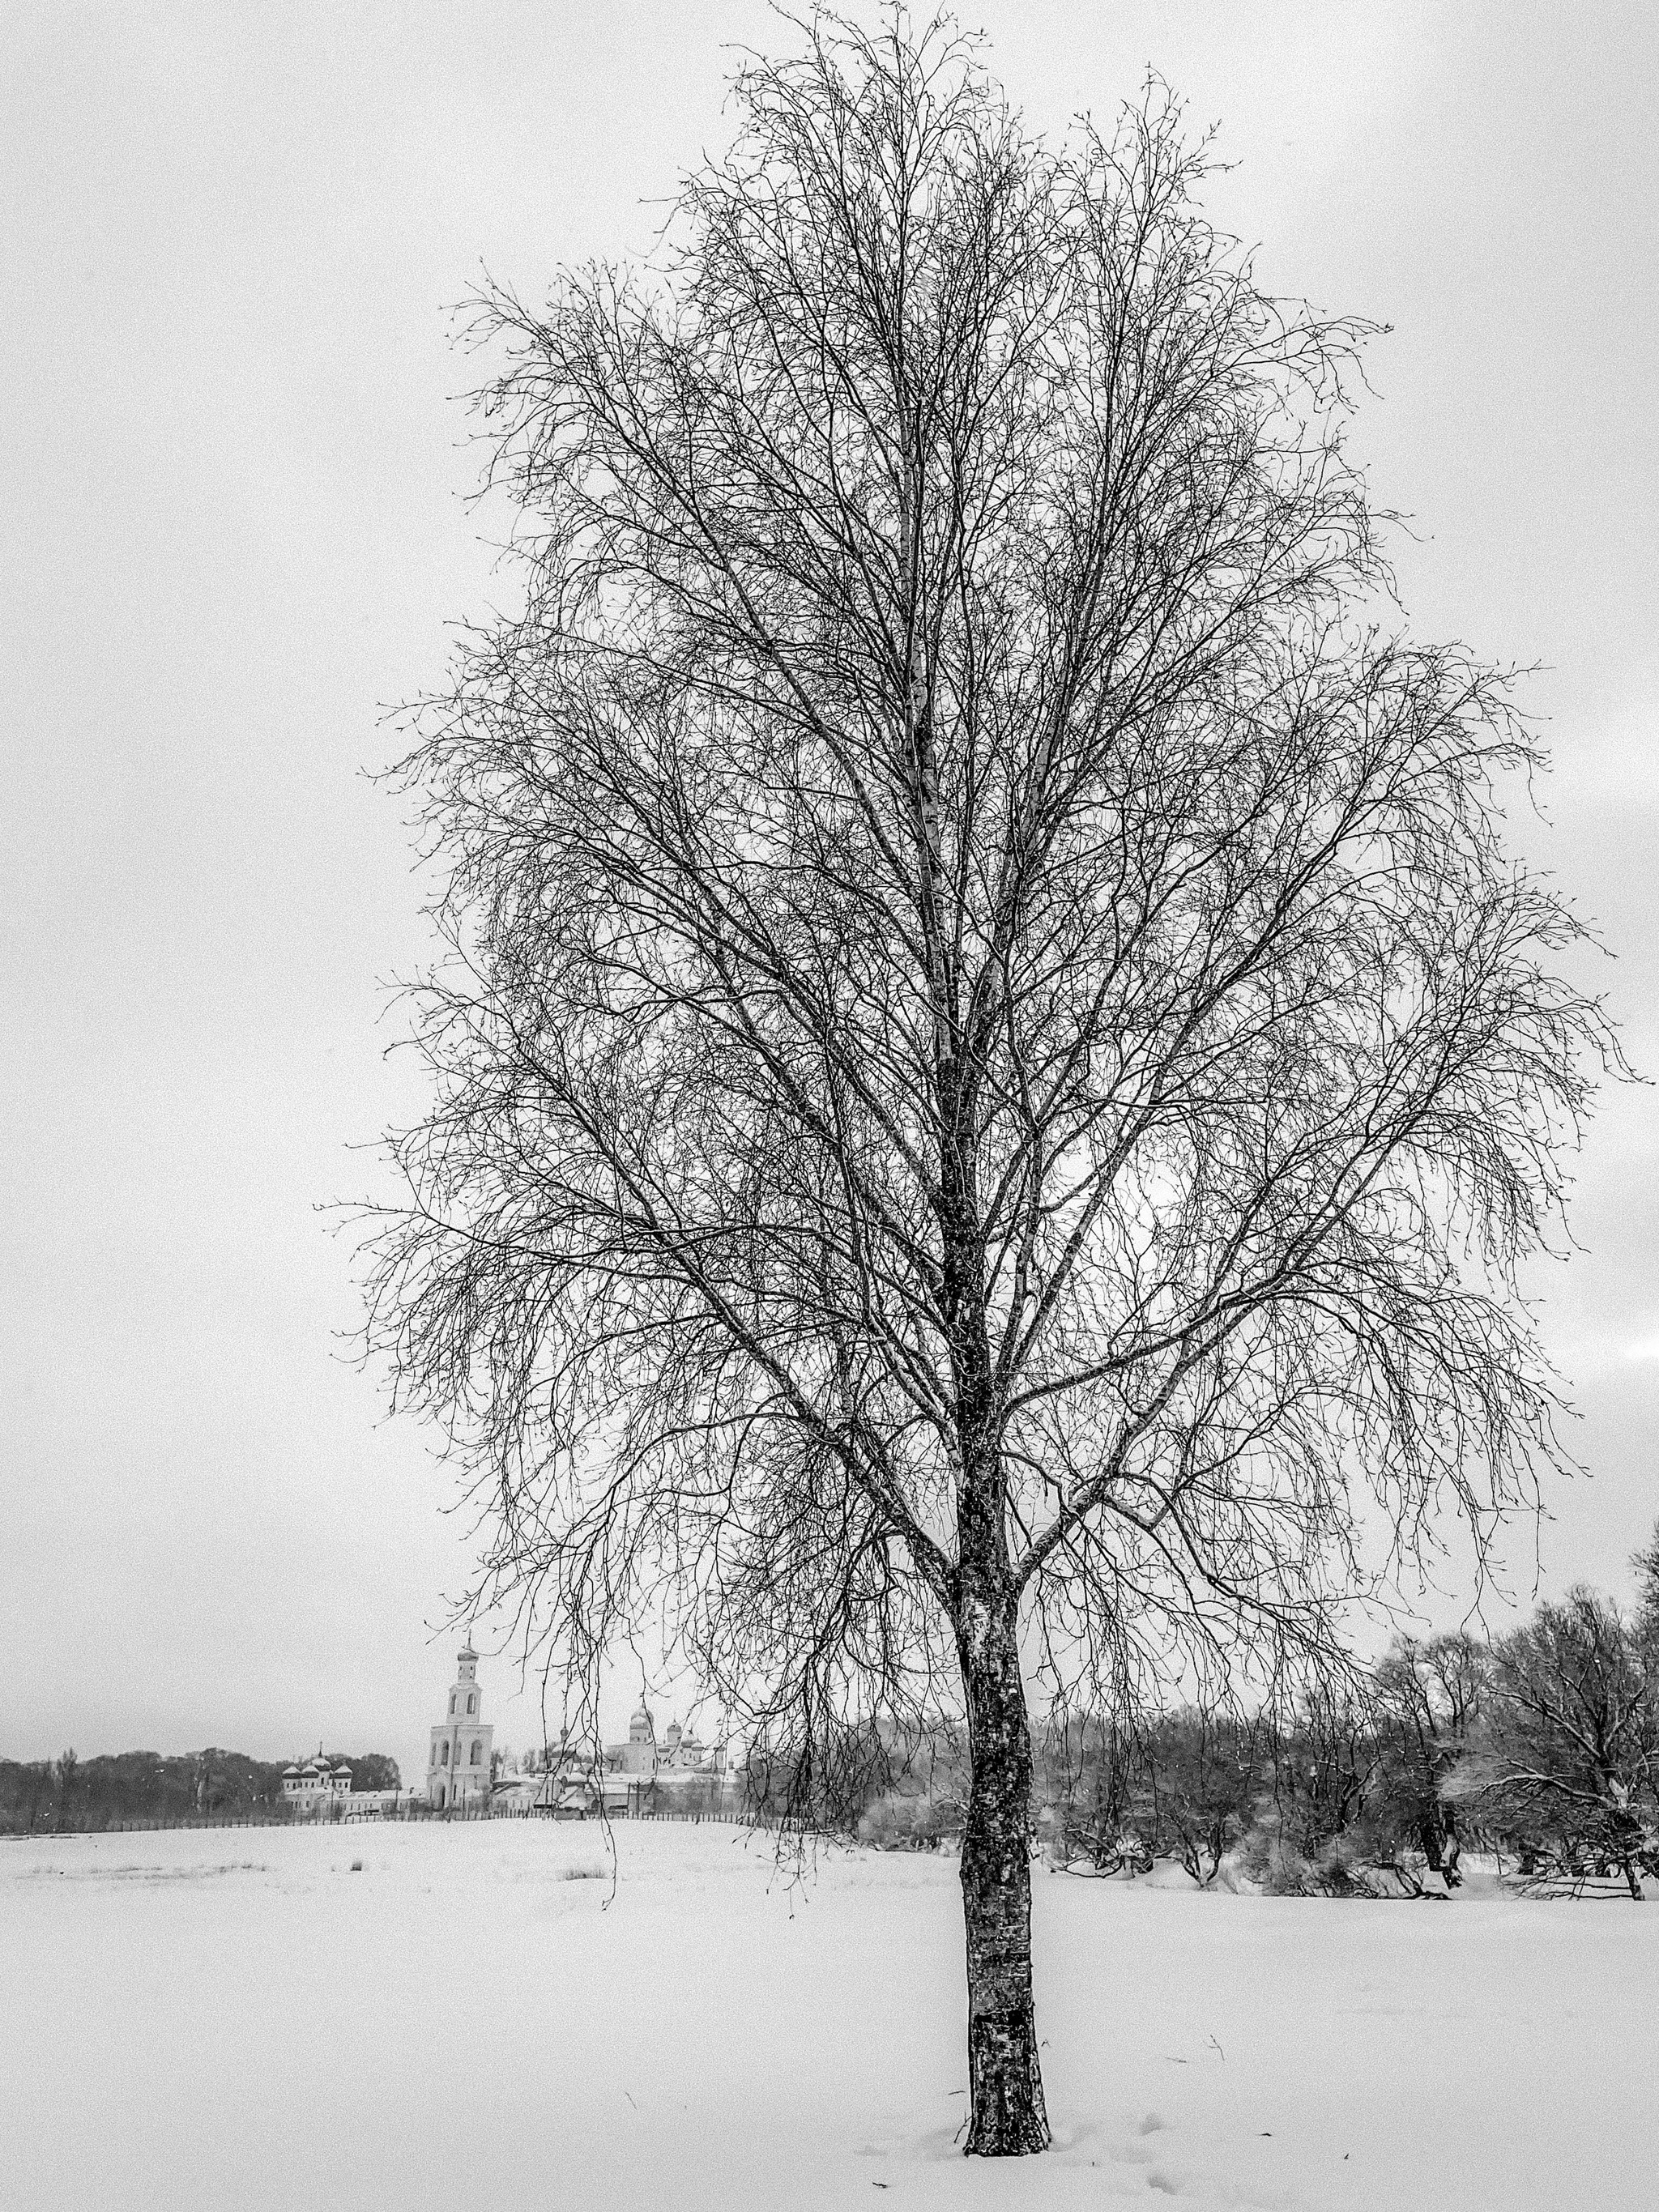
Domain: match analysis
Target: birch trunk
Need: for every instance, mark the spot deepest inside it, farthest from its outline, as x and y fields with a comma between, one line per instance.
x=1007, y=2116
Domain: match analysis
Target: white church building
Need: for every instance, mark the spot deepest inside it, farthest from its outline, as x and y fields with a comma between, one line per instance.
x=458, y=1762
x=312, y=1785
x=678, y=1754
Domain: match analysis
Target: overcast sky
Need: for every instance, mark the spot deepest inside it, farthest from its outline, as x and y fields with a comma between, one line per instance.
x=236, y=528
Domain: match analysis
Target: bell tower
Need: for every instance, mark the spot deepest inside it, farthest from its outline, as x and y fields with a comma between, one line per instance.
x=458, y=1762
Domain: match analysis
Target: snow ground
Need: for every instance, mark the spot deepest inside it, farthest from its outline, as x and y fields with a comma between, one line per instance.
x=231, y=2020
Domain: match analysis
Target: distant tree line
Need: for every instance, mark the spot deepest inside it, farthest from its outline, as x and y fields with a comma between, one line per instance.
x=65, y=1793
x=1541, y=1745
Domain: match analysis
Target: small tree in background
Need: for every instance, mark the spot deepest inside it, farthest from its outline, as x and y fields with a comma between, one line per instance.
x=1204, y=1773
x=1430, y=1697
x=1309, y=1836
x=27, y=1795
x=994, y=1070
x=65, y=1775
x=1567, y=1765
x=1099, y=1791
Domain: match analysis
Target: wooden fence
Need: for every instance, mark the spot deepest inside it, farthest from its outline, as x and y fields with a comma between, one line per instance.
x=342, y=1816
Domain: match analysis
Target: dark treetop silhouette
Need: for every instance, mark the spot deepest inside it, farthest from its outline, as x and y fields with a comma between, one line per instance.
x=992, y=1072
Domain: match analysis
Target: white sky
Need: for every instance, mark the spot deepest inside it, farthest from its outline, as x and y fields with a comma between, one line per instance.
x=235, y=528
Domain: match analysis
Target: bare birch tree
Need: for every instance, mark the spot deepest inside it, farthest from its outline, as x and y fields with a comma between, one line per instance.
x=993, y=1072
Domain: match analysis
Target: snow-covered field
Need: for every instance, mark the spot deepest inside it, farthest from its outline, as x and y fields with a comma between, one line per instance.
x=235, y=2020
